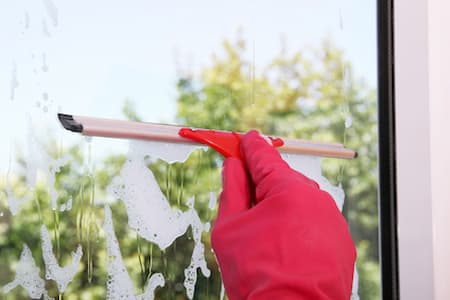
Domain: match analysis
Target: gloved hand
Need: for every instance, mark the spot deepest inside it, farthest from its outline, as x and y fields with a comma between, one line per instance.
x=277, y=235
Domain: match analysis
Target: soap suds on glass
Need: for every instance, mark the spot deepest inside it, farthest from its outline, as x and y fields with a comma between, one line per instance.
x=341, y=20
x=61, y=275
x=149, y=211
x=38, y=160
x=119, y=284
x=165, y=151
x=310, y=166
x=66, y=206
x=198, y=256
x=14, y=202
x=14, y=83
x=355, y=285
x=212, y=200
x=348, y=121
x=45, y=30
x=27, y=276
x=44, y=67
x=27, y=20
x=222, y=291
x=52, y=11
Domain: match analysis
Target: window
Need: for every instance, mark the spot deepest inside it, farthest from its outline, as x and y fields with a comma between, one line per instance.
x=289, y=68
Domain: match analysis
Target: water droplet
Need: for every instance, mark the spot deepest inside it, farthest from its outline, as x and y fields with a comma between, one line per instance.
x=44, y=63
x=27, y=20
x=190, y=202
x=14, y=83
x=52, y=11
x=45, y=96
x=45, y=108
x=212, y=200
x=45, y=29
x=38, y=104
x=348, y=121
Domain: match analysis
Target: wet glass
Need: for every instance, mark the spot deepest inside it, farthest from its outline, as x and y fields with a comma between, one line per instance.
x=71, y=224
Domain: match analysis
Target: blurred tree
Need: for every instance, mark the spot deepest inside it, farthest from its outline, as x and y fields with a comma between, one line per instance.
x=86, y=184
x=305, y=94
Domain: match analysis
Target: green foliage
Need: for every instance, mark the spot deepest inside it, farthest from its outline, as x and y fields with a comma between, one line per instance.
x=308, y=95
x=129, y=111
x=305, y=94
x=82, y=225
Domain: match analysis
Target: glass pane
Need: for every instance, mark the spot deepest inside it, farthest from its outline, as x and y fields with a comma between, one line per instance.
x=78, y=215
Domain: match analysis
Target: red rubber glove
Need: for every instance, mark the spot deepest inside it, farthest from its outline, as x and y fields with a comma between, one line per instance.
x=277, y=235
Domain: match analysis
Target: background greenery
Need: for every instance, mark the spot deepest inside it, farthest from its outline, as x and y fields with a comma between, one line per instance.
x=305, y=94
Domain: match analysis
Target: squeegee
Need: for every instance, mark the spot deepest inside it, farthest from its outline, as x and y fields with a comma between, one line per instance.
x=226, y=143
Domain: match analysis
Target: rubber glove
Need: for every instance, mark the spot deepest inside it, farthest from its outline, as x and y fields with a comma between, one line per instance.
x=277, y=235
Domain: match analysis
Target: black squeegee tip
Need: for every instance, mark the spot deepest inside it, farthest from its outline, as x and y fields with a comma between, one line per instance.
x=69, y=123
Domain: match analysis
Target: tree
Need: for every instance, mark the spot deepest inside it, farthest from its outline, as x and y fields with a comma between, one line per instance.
x=308, y=95
x=304, y=94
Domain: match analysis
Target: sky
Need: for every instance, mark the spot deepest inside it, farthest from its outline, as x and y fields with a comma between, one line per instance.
x=86, y=57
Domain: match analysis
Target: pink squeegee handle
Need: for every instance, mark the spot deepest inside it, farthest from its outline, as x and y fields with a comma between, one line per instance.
x=225, y=142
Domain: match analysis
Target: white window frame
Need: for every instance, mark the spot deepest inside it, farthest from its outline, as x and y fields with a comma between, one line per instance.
x=422, y=144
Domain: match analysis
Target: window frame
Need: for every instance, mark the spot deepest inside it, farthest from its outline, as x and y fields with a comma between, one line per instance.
x=387, y=192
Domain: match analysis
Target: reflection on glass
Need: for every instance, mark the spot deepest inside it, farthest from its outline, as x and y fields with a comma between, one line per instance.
x=70, y=222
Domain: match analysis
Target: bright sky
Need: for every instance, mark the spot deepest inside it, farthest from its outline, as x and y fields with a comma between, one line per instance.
x=86, y=57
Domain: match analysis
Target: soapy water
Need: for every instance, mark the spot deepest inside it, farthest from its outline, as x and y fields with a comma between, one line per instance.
x=149, y=211
x=52, y=11
x=310, y=166
x=355, y=285
x=27, y=276
x=37, y=160
x=212, y=200
x=66, y=206
x=198, y=255
x=149, y=214
x=45, y=29
x=14, y=83
x=14, y=201
x=152, y=217
x=44, y=66
x=348, y=121
x=27, y=20
x=169, y=153
x=62, y=275
x=137, y=185
x=119, y=284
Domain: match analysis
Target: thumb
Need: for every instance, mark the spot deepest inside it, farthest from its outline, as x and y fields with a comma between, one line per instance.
x=269, y=172
x=262, y=159
x=235, y=195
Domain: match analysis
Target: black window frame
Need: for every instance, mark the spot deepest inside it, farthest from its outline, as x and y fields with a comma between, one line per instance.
x=387, y=198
